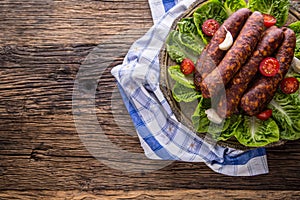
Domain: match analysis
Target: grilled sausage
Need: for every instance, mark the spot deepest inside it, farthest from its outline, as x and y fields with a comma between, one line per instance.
x=264, y=88
x=211, y=56
x=235, y=57
x=271, y=40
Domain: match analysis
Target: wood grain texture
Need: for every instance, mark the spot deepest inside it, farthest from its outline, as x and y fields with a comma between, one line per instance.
x=69, y=21
x=46, y=47
x=152, y=194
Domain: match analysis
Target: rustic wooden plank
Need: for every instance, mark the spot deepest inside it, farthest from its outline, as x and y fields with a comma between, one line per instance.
x=153, y=194
x=69, y=21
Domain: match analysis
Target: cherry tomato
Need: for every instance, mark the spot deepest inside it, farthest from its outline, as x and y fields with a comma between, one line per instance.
x=289, y=85
x=269, y=67
x=210, y=27
x=265, y=114
x=187, y=66
x=269, y=20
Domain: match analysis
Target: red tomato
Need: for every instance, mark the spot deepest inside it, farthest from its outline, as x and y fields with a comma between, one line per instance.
x=289, y=85
x=269, y=67
x=265, y=114
x=187, y=66
x=210, y=27
x=269, y=20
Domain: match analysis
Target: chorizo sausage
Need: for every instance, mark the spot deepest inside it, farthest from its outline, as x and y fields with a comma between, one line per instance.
x=235, y=57
x=211, y=56
x=264, y=88
x=271, y=40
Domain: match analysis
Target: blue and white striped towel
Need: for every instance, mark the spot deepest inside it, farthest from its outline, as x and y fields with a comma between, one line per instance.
x=161, y=135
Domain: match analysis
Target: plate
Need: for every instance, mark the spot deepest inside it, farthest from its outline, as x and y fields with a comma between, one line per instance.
x=184, y=111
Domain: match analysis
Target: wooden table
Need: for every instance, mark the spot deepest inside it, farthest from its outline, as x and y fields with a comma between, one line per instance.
x=44, y=154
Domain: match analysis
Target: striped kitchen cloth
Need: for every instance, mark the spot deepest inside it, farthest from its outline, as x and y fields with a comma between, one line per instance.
x=161, y=135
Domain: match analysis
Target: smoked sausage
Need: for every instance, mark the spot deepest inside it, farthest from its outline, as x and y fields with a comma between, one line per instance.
x=264, y=88
x=236, y=56
x=211, y=56
x=271, y=40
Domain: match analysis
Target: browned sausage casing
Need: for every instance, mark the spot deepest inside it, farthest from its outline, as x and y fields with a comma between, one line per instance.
x=235, y=57
x=211, y=56
x=264, y=88
x=271, y=40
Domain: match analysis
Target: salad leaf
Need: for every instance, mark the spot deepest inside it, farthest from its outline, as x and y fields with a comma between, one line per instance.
x=286, y=111
x=200, y=120
x=176, y=74
x=277, y=8
x=183, y=45
x=222, y=131
x=233, y=123
x=188, y=29
x=212, y=9
x=184, y=94
x=253, y=132
x=296, y=28
x=296, y=97
x=187, y=25
x=175, y=53
x=232, y=6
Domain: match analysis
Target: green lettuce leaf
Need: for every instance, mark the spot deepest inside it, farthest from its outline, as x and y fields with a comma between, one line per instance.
x=176, y=74
x=182, y=93
x=200, y=120
x=183, y=45
x=233, y=122
x=277, y=8
x=187, y=25
x=232, y=6
x=296, y=28
x=253, y=132
x=286, y=112
x=212, y=9
x=175, y=53
x=222, y=131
